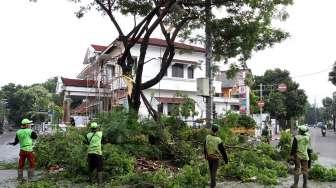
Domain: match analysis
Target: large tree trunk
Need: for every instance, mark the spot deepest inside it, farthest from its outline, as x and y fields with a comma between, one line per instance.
x=134, y=102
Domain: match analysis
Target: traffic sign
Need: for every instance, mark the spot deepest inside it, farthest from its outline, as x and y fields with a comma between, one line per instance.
x=261, y=104
x=282, y=87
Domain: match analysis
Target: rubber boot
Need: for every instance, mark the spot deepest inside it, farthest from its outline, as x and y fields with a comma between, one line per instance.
x=90, y=178
x=20, y=175
x=100, y=178
x=305, y=180
x=296, y=181
x=31, y=173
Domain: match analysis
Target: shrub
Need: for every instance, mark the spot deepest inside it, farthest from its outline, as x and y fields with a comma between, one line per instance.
x=320, y=173
x=38, y=184
x=119, y=127
x=160, y=178
x=227, y=136
x=230, y=120
x=63, y=148
x=116, y=161
x=285, y=145
x=246, y=121
x=250, y=165
x=268, y=150
x=192, y=176
x=67, y=150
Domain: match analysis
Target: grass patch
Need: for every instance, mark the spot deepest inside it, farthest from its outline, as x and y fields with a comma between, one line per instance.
x=8, y=165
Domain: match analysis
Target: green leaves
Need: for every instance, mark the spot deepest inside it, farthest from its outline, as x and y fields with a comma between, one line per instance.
x=318, y=172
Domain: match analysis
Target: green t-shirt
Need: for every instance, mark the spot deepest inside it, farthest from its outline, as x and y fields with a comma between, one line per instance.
x=95, y=143
x=26, y=142
x=212, y=145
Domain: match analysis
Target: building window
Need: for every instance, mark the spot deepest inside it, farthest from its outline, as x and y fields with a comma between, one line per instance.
x=235, y=107
x=177, y=70
x=110, y=71
x=160, y=108
x=171, y=108
x=190, y=72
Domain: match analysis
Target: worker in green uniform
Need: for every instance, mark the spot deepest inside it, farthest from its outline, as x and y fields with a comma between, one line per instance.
x=25, y=137
x=266, y=135
x=301, y=155
x=95, y=159
x=213, y=148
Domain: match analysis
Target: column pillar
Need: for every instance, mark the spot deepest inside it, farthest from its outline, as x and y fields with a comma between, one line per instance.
x=66, y=108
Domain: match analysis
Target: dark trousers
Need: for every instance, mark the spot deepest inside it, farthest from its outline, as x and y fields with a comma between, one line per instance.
x=213, y=165
x=95, y=162
x=301, y=166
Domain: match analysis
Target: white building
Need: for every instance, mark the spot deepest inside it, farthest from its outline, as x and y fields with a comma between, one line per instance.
x=188, y=65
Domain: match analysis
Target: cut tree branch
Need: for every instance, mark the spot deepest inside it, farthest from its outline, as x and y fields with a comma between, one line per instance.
x=109, y=13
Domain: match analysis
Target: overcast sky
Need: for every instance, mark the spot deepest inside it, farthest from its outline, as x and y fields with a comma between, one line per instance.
x=45, y=39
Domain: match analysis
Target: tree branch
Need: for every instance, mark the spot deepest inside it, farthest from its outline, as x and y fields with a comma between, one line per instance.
x=109, y=13
x=167, y=56
x=144, y=44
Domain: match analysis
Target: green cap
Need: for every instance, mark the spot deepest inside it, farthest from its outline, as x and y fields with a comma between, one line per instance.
x=303, y=128
x=215, y=126
x=26, y=121
x=93, y=125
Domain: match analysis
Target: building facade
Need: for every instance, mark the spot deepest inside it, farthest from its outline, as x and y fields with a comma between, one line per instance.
x=109, y=88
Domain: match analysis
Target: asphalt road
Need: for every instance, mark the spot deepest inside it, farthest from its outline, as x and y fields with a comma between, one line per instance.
x=325, y=146
x=8, y=152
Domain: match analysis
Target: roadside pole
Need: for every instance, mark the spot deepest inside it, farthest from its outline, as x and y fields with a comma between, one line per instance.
x=208, y=58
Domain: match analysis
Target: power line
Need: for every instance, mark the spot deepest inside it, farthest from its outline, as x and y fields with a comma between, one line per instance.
x=313, y=73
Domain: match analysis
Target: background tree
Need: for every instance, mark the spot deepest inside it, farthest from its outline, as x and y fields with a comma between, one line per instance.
x=238, y=29
x=332, y=74
x=282, y=106
x=329, y=105
x=30, y=101
x=313, y=114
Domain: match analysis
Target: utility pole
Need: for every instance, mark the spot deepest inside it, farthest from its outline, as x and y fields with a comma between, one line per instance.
x=208, y=58
x=261, y=108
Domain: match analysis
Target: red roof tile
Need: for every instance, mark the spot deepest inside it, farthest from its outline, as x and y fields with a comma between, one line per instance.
x=160, y=43
x=78, y=83
x=98, y=48
x=163, y=43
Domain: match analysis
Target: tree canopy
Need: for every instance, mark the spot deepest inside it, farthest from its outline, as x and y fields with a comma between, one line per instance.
x=281, y=105
x=332, y=74
x=238, y=27
x=29, y=101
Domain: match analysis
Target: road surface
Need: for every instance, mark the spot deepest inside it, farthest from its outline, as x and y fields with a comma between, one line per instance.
x=8, y=152
x=325, y=146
